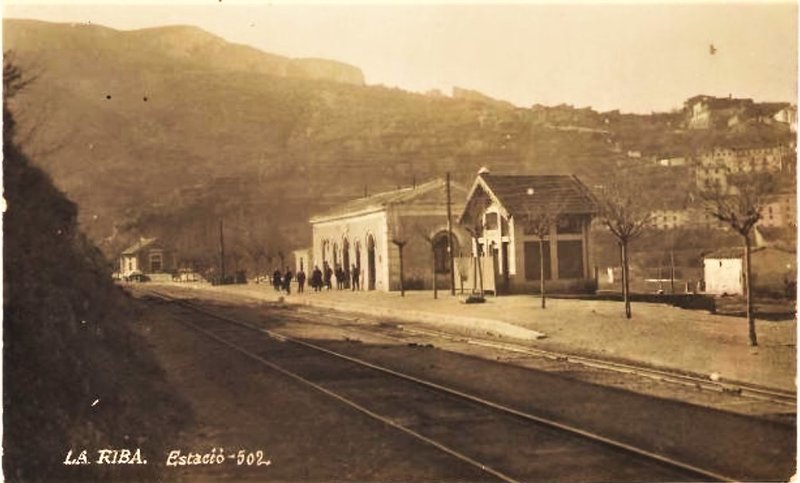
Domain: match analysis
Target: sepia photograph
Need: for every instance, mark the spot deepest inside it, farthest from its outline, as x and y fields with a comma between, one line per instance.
x=531, y=241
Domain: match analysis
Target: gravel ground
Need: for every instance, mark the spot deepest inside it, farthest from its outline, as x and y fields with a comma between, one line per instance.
x=749, y=448
x=306, y=435
x=658, y=335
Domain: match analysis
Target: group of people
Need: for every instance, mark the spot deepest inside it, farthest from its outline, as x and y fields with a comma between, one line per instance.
x=320, y=279
x=282, y=282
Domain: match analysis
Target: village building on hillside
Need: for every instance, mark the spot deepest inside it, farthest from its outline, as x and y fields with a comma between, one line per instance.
x=367, y=233
x=498, y=211
x=715, y=165
x=706, y=112
x=780, y=211
x=148, y=256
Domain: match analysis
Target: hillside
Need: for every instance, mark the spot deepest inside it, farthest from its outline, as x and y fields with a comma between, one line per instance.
x=76, y=374
x=162, y=132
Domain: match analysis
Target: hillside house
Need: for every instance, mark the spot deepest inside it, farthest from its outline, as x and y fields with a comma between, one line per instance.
x=361, y=233
x=671, y=161
x=148, y=256
x=670, y=219
x=714, y=165
x=780, y=211
x=499, y=210
x=769, y=113
x=787, y=115
x=773, y=269
x=706, y=112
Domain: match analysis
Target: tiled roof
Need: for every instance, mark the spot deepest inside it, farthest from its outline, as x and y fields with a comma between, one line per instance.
x=738, y=252
x=431, y=192
x=562, y=193
x=139, y=245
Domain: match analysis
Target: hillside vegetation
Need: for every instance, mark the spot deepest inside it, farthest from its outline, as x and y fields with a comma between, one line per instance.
x=75, y=374
x=163, y=132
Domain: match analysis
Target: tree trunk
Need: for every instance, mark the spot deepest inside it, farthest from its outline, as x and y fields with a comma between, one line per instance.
x=541, y=271
x=435, y=293
x=672, y=270
x=475, y=274
x=402, y=285
x=480, y=274
x=748, y=292
x=626, y=296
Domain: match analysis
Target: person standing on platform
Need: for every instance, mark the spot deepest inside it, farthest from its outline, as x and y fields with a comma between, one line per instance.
x=301, y=280
x=354, y=273
x=316, y=279
x=287, y=281
x=276, y=280
x=328, y=275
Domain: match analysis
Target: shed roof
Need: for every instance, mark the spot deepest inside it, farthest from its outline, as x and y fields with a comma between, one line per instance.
x=738, y=252
x=139, y=245
x=432, y=192
x=564, y=193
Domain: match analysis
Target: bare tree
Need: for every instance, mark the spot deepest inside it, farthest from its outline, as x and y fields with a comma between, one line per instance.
x=400, y=243
x=399, y=238
x=740, y=207
x=432, y=243
x=539, y=221
x=622, y=211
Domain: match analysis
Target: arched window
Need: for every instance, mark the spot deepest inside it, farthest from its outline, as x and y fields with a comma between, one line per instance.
x=325, y=248
x=440, y=255
x=335, y=255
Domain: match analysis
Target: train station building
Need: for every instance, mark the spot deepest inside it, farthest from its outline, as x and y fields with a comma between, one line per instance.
x=367, y=233
x=500, y=210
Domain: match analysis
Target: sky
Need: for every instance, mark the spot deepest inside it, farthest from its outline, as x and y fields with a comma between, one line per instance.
x=636, y=57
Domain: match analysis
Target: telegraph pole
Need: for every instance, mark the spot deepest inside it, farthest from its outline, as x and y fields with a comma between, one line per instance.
x=450, y=239
x=221, y=254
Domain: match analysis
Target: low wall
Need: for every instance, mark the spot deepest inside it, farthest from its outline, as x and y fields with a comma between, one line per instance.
x=683, y=300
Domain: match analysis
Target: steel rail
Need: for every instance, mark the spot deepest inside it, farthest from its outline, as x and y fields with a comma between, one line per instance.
x=665, y=460
x=348, y=402
x=751, y=391
x=742, y=389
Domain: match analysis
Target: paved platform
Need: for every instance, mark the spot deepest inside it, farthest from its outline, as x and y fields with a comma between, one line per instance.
x=657, y=335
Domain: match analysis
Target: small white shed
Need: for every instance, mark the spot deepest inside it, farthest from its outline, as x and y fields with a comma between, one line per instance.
x=722, y=271
x=772, y=270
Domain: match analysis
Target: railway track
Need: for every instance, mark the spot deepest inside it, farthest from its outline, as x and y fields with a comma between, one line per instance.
x=776, y=396
x=503, y=442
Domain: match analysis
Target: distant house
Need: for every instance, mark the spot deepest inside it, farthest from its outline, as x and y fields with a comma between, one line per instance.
x=780, y=211
x=147, y=256
x=770, y=113
x=672, y=161
x=706, y=112
x=503, y=205
x=361, y=233
x=714, y=165
x=773, y=269
x=669, y=218
x=787, y=114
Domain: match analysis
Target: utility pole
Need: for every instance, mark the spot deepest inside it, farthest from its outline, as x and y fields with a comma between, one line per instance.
x=672, y=269
x=221, y=253
x=450, y=239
